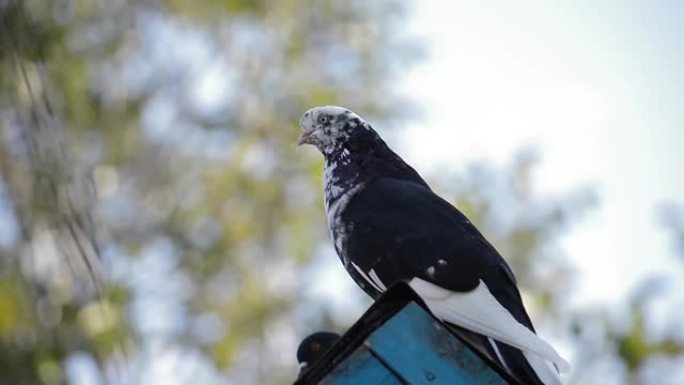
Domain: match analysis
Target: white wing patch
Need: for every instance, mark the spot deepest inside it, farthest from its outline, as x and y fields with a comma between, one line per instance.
x=479, y=311
x=377, y=280
x=381, y=288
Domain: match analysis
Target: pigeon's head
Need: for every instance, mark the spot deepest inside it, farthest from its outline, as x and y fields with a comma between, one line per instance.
x=330, y=128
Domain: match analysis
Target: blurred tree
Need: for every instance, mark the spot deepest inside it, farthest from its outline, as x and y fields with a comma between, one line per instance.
x=155, y=140
x=638, y=341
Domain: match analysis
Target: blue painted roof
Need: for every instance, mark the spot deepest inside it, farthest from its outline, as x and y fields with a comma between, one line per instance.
x=398, y=341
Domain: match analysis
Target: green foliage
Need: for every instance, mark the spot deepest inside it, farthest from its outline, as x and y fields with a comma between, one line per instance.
x=110, y=163
x=635, y=347
x=148, y=160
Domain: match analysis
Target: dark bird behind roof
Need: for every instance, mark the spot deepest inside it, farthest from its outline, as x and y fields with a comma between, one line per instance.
x=313, y=347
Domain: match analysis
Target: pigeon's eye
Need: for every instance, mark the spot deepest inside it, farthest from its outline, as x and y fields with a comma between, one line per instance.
x=323, y=119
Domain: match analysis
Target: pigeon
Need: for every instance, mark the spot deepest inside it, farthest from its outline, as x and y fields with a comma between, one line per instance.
x=388, y=226
x=313, y=347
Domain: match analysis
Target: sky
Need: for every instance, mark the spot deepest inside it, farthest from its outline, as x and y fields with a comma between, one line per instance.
x=595, y=87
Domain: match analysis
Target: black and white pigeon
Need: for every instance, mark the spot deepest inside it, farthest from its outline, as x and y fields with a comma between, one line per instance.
x=388, y=226
x=313, y=347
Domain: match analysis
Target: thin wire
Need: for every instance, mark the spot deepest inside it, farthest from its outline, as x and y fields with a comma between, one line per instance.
x=70, y=219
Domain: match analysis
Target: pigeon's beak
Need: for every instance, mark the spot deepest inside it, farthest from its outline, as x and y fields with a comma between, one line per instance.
x=306, y=138
x=306, y=123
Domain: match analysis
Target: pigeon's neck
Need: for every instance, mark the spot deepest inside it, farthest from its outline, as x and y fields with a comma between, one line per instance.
x=342, y=173
x=354, y=165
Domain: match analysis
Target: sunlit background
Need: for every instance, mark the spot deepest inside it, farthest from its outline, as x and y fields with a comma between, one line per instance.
x=158, y=225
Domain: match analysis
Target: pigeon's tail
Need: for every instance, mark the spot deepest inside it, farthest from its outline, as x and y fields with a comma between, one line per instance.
x=510, y=359
x=526, y=367
x=480, y=312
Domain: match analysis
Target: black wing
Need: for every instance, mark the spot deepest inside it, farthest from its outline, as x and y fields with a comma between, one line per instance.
x=401, y=230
